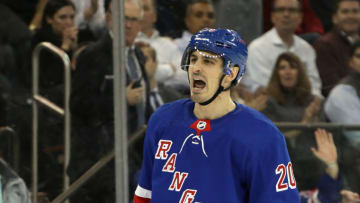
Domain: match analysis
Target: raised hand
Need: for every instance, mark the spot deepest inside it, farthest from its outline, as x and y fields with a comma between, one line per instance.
x=348, y=196
x=326, y=152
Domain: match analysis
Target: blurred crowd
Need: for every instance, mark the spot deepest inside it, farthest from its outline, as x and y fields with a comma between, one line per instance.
x=303, y=66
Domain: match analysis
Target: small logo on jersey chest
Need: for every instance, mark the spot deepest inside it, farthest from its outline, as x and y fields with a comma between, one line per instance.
x=201, y=125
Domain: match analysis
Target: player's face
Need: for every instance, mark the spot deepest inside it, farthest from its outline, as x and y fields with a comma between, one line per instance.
x=347, y=17
x=355, y=60
x=287, y=74
x=62, y=19
x=286, y=15
x=205, y=71
x=199, y=16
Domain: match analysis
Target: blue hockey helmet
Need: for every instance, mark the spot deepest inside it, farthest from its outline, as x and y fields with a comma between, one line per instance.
x=225, y=43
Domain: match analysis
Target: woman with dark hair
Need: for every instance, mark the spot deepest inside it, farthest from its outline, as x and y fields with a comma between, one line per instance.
x=290, y=100
x=289, y=93
x=58, y=22
x=58, y=27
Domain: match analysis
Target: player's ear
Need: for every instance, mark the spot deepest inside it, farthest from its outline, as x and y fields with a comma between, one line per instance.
x=234, y=71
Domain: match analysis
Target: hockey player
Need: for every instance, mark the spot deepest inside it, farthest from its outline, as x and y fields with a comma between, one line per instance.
x=208, y=148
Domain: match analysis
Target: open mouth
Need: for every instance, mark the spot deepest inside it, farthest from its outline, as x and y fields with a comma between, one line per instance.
x=199, y=84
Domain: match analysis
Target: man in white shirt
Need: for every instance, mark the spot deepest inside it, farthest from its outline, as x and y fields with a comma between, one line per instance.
x=263, y=51
x=167, y=53
x=199, y=14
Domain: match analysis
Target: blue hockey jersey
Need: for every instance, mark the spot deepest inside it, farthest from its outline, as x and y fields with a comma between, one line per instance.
x=240, y=157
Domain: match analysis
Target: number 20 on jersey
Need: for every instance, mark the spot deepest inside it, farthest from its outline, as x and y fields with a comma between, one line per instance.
x=285, y=172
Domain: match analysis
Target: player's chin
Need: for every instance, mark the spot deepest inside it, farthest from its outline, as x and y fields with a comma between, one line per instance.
x=197, y=98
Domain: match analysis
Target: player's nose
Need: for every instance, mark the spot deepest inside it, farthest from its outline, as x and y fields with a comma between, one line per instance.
x=196, y=68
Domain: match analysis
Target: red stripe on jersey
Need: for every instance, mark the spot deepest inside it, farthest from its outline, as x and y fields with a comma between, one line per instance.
x=138, y=199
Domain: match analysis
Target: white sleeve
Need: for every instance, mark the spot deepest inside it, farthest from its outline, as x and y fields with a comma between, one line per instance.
x=343, y=105
x=256, y=69
x=313, y=72
x=164, y=72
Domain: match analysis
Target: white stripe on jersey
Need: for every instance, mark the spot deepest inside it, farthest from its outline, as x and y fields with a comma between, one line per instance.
x=142, y=192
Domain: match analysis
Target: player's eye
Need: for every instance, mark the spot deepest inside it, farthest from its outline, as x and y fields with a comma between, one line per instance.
x=193, y=60
x=208, y=61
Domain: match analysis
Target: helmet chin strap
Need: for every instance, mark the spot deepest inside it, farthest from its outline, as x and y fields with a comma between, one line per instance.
x=219, y=90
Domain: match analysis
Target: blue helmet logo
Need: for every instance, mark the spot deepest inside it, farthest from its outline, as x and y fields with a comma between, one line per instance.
x=224, y=42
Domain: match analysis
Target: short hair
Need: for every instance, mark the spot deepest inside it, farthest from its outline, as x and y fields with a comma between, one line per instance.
x=52, y=6
x=189, y=3
x=302, y=87
x=337, y=4
x=138, y=2
x=274, y=1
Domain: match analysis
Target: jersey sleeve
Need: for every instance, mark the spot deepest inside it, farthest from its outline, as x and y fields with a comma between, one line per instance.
x=143, y=190
x=268, y=171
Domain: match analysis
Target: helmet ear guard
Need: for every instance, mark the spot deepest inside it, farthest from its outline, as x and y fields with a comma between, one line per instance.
x=228, y=69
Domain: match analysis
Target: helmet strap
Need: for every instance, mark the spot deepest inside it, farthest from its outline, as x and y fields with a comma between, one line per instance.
x=219, y=90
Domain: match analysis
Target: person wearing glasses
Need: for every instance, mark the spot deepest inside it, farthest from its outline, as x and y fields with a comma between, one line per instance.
x=333, y=50
x=286, y=16
x=92, y=103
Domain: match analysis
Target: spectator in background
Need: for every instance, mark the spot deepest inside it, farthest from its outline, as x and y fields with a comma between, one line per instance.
x=199, y=14
x=167, y=54
x=310, y=27
x=289, y=93
x=159, y=94
x=58, y=27
x=90, y=14
x=343, y=103
x=263, y=51
x=343, y=107
x=95, y=64
x=330, y=183
x=289, y=99
x=333, y=49
x=92, y=104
